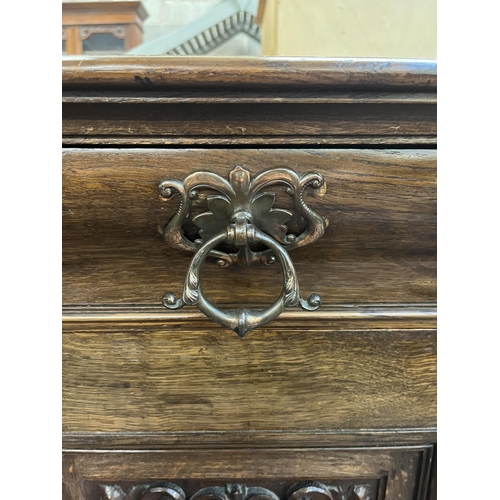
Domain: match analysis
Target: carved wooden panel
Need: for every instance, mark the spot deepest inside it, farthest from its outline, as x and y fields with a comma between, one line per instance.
x=313, y=490
x=369, y=473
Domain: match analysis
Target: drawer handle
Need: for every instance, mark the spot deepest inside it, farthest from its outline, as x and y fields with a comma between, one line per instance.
x=241, y=215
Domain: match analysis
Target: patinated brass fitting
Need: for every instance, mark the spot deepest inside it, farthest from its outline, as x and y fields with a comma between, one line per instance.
x=241, y=215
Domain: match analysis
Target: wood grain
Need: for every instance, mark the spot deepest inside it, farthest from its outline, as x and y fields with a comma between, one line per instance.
x=424, y=141
x=156, y=378
x=380, y=246
x=251, y=99
x=248, y=72
x=255, y=119
x=227, y=97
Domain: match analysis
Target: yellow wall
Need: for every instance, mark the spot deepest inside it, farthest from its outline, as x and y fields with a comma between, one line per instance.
x=349, y=28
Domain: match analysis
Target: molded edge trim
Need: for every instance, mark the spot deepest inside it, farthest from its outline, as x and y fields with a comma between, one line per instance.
x=372, y=314
x=73, y=441
x=154, y=72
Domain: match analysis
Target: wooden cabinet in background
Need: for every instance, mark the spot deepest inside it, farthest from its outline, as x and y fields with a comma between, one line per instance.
x=101, y=27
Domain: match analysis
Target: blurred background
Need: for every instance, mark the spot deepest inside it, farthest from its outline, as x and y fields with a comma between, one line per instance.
x=322, y=28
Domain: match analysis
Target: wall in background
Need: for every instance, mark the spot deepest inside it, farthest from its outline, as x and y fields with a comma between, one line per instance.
x=346, y=28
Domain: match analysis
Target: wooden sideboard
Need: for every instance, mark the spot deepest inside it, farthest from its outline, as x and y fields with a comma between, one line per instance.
x=333, y=404
x=101, y=27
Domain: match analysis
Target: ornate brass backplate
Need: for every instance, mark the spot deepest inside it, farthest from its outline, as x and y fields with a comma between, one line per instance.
x=242, y=214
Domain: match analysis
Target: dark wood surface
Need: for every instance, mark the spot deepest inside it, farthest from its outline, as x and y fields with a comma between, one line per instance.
x=380, y=245
x=376, y=142
x=164, y=100
x=197, y=96
x=345, y=395
x=390, y=473
x=254, y=120
x=244, y=73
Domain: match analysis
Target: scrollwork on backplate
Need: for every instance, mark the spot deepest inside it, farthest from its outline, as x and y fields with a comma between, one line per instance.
x=173, y=232
x=241, y=215
x=243, y=195
x=305, y=490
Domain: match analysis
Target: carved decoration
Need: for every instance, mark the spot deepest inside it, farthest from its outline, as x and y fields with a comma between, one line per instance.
x=234, y=492
x=160, y=490
x=314, y=490
x=116, y=30
x=309, y=490
x=353, y=492
x=305, y=490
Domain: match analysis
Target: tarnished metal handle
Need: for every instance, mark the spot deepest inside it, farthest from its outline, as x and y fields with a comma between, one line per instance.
x=241, y=214
x=241, y=320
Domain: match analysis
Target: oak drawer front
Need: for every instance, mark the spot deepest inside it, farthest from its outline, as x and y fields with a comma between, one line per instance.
x=239, y=474
x=379, y=247
x=166, y=379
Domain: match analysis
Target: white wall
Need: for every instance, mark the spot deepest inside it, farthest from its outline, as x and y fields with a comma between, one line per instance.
x=350, y=28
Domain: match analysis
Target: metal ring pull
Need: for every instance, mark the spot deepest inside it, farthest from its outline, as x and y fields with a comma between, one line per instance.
x=242, y=215
x=241, y=320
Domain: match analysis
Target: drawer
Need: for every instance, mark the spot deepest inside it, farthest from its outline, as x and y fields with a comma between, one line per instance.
x=239, y=474
x=365, y=360
x=179, y=380
x=379, y=246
